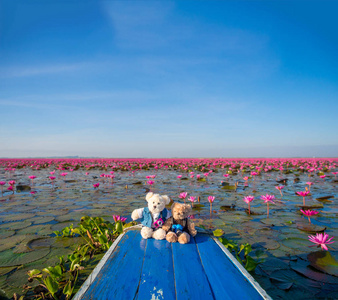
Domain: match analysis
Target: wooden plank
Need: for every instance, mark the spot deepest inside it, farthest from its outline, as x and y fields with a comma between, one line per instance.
x=242, y=270
x=157, y=280
x=97, y=269
x=226, y=281
x=190, y=279
x=119, y=277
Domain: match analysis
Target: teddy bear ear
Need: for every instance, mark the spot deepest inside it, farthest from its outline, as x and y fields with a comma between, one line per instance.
x=166, y=199
x=149, y=195
x=173, y=205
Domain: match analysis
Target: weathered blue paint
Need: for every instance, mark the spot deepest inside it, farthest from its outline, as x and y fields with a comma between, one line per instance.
x=120, y=276
x=157, y=280
x=150, y=269
x=190, y=278
x=226, y=281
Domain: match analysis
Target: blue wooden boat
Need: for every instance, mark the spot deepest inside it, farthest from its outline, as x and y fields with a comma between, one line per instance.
x=134, y=268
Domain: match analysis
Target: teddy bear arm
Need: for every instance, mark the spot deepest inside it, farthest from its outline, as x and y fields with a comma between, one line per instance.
x=191, y=228
x=135, y=215
x=167, y=224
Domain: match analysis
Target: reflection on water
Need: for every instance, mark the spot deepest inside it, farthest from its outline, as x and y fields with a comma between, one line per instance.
x=28, y=220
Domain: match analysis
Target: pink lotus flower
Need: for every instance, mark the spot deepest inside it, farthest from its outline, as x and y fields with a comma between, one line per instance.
x=303, y=194
x=198, y=176
x=52, y=177
x=268, y=198
x=150, y=182
x=192, y=176
x=321, y=240
x=246, y=178
x=309, y=183
x=183, y=196
x=12, y=182
x=226, y=175
x=87, y=173
x=280, y=187
x=52, y=173
x=32, y=177
x=118, y=218
x=309, y=213
x=63, y=174
x=247, y=200
x=33, y=192
x=322, y=176
x=96, y=185
x=211, y=199
x=10, y=188
x=192, y=199
x=335, y=174
x=179, y=176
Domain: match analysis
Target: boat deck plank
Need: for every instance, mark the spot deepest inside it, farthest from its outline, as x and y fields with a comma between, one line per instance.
x=119, y=277
x=135, y=268
x=157, y=279
x=190, y=278
x=226, y=281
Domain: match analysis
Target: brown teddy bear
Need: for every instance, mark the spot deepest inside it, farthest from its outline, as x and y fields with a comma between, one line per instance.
x=179, y=227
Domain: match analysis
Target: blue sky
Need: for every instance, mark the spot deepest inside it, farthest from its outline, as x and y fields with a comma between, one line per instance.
x=168, y=78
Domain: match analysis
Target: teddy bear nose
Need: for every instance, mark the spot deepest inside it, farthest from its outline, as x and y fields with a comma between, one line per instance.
x=154, y=206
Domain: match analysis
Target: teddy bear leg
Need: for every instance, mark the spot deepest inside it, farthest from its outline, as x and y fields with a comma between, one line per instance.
x=171, y=237
x=159, y=234
x=146, y=232
x=184, y=238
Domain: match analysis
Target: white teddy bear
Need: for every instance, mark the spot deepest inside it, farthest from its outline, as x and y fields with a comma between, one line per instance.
x=153, y=216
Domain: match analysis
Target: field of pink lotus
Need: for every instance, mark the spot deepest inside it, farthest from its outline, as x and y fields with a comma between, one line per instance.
x=285, y=208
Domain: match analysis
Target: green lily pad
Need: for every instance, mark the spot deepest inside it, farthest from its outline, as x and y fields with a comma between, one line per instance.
x=17, y=217
x=218, y=232
x=311, y=205
x=23, y=188
x=6, y=233
x=272, y=221
x=10, y=242
x=296, y=243
x=272, y=264
x=198, y=206
x=285, y=279
x=60, y=226
x=324, y=261
x=36, y=229
x=309, y=227
x=15, y=225
x=267, y=243
x=22, y=247
x=6, y=270
x=231, y=207
x=229, y=187
x=303, y=267
x=8, y=258
x=41, y=220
